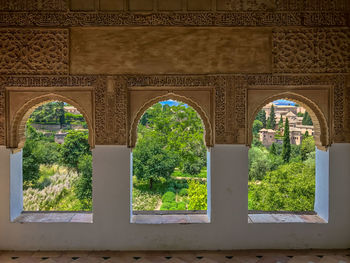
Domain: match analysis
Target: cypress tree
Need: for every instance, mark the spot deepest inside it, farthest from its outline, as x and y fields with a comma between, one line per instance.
x=273, y=149
x=271, y=121
x=261, y=116
x=280, y=123
x=286, y=143
x=307, y=119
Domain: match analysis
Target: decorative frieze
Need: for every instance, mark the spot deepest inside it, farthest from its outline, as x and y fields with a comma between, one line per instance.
x=233, y=19
x=314, y=50
x=230, y=95
x=34, y=51
x=33, y=5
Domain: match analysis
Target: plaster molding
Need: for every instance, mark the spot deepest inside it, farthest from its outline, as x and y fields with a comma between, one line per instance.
x=173, y=94
x=21, y=102
x=322, y=133
x=229, y=94
x=232, y=19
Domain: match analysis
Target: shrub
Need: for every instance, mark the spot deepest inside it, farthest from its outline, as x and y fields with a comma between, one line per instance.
x=169, y=206
x=183, y=192
x=168, y=197
x=197, y=193
x=181, y=206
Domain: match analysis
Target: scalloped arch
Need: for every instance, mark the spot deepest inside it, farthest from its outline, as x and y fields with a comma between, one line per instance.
x=208, y=131
x=17, y=128
x=321, y=134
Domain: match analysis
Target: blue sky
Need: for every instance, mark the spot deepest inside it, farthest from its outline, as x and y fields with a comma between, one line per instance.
x=283, y=102
x=171, y=103
x=277, y=102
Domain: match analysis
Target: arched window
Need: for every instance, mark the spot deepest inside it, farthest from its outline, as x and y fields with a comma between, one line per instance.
x=56, y=160
x=170, y=161
x=283, y=176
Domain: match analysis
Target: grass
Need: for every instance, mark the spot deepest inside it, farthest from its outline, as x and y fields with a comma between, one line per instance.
x=202, y=174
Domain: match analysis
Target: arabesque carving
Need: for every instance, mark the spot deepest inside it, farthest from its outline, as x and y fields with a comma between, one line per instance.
x=34, y=51
x=21, y=102
x=34, y=5
x=229, y=92
x=83, y=19
x=314, y=50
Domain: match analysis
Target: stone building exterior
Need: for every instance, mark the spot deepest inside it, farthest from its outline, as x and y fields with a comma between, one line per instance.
x=112, y=59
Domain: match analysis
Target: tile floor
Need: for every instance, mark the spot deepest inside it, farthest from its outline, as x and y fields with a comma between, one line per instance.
x=262, y=256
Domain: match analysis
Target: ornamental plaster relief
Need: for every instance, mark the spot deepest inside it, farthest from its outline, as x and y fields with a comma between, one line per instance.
x=226, y=115
x=227, y=19
x=34, y=51
x=311, y=50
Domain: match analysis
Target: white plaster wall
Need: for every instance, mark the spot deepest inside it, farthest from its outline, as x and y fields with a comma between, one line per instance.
x=322, y=184
x=229, y=229
x=16, y=185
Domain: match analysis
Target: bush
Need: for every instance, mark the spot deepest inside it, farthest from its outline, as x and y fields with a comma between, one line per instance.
x=169, y=206
x=83, y=186
x=181, y=206
x=183, y=192
x=168, y=197
x=197, y=193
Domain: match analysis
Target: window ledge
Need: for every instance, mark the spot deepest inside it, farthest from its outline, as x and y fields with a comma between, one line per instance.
x=170, y=219
x=54, y=217
x=285, y=218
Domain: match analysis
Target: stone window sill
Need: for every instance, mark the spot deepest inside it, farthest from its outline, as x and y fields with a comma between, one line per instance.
x=284, y=217
x=54, y=217
x=170, y=219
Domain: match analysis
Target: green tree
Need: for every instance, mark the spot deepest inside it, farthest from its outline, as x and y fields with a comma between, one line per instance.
x=307, y=119
x=261, y=116
x=37, y=150
x=273, y=149
x=280, y=123
x=182, y=131
x=286, y=150
x=307, y=146
x=75, y=145
x=83, y=186
x=257, y=126
x=60, y=113
x=291, y=188
x=271, y=120
x=152, y=160
x=261, y=162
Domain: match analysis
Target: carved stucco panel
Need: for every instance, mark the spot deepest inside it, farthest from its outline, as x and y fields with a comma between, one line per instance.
x=34, y=51
x=233, y=19
x=34, y=5
x=2, y=111
x=311, y=50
